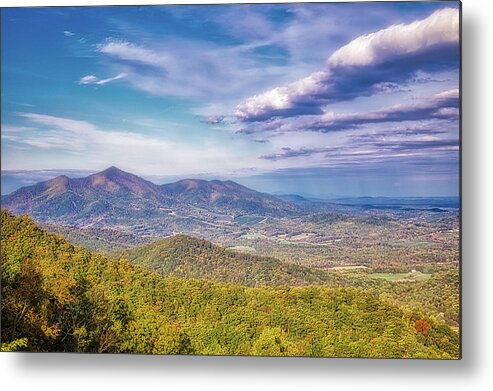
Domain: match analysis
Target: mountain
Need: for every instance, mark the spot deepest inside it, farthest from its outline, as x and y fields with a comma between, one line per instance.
x=80, y=200
x=185, y=256
x=115, y=181
x=292, y=198
x=226, y=197
x=117, y=198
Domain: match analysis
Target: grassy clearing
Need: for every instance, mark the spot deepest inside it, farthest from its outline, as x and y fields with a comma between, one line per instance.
x=257, y=236
x=243, y=249
x=253, y=236
x=402, y=277
x=349, y=267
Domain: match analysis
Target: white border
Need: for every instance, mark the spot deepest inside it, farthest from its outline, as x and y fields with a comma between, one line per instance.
x=474, y=372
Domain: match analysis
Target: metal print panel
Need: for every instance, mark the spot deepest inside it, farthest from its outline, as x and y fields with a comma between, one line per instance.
x=265, y=179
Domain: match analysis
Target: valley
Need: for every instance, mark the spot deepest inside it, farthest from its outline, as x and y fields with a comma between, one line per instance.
x=114, y=210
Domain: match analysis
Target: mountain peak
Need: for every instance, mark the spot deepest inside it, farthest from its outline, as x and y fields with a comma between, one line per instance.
x=112, y=171
x=57, y=185
x=114, y=180
x=59, y=179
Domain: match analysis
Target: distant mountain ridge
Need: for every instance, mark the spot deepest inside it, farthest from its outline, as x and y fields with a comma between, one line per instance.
x=225, y=196
x=112, y=194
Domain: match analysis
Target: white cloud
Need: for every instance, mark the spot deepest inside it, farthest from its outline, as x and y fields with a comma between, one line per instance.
x=105, y=81
x=76, y=136
x=185, y=68
x=66, y=142
x=69, y=125
x=128, y=51
x=398, y=40
x=68, y=33
x=15, y=129
x=449, y=94
x=91, y=79
x=226, y=74
x=353, y=70
x=281, y=98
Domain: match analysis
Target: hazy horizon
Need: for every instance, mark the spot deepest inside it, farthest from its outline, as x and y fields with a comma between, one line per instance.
x=12, y=180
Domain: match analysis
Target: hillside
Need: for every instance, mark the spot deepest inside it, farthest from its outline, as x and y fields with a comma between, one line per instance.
x=102, y=240
x=57, y=297
x=185, y=256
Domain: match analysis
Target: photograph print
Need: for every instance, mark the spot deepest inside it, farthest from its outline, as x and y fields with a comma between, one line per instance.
x=233, y=179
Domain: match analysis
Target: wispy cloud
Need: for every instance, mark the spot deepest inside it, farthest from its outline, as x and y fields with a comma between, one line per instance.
x=174, y=68
x=79, y=135
x=430, y=128
x=15, y=129
x=68, y=33
x=382, y=150
x=136, y=150
x=444, y=105
x=214, y=120
x=260, y=140
x=91, y=79
x=391, y=56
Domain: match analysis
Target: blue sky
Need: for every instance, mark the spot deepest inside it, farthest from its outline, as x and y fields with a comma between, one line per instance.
x=348, y=99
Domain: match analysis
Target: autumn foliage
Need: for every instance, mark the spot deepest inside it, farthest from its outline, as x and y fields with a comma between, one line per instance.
x=61, y=298
x=422, y=326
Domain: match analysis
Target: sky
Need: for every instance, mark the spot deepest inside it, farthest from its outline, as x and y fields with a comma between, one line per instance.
x=356, y=99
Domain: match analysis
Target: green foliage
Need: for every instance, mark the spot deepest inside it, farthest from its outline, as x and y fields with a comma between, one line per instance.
x=185, y=256
x=438, y=296
x=13, y=346
x=57, y=297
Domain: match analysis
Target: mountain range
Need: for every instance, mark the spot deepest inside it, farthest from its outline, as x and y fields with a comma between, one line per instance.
x=113, y=197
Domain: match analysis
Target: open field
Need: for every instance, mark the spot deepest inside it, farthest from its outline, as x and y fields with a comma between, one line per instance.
x=402, y=277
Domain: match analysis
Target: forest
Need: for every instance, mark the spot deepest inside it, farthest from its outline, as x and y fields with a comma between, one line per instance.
x=61, y=297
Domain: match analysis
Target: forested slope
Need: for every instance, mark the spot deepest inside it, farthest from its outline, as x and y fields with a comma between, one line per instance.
x=57, y=297
x=189, y=257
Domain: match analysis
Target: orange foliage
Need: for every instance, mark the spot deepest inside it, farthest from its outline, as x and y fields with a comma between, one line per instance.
x=422, y=326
